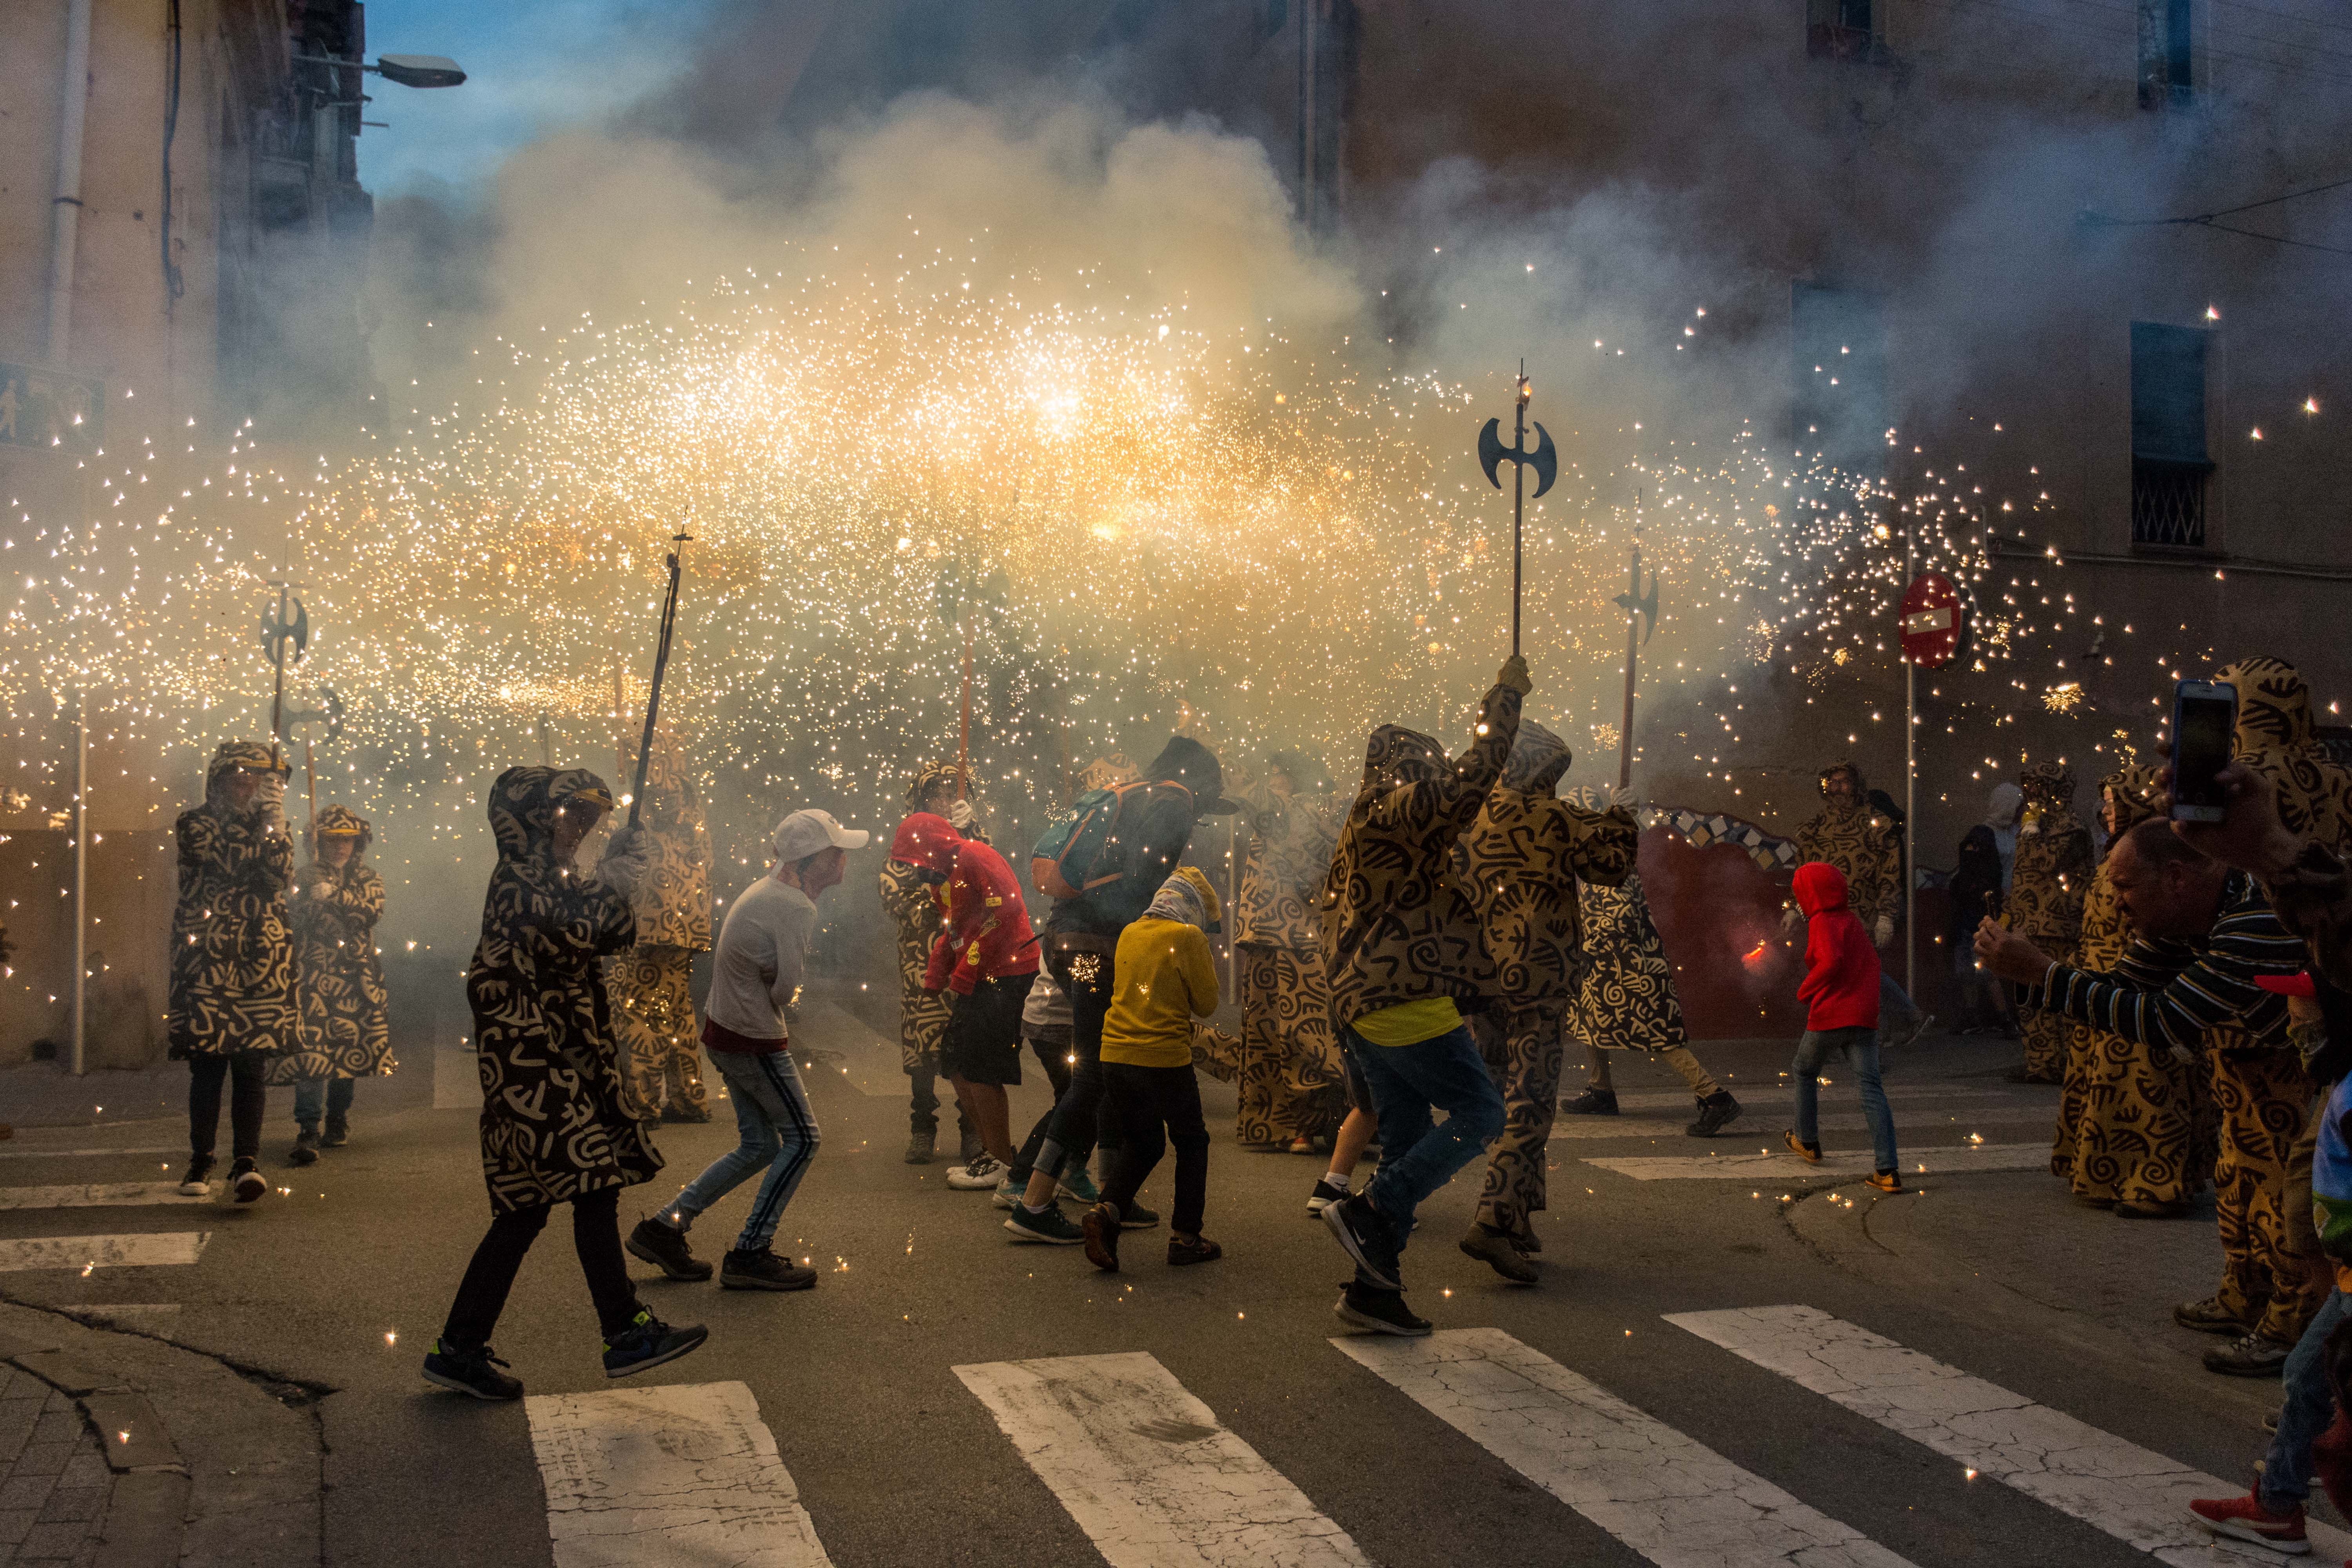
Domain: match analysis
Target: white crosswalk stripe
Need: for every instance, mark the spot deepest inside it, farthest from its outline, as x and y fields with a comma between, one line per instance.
x=1145, y=1469
x=94, y=1195
x=28, y=1153
x=1677, y=1503
x=1755, y=1093
x=2136, y=1496
x=1757, y=1125
x=85, y=1252
x=672, y=1476
x=1783, y=1167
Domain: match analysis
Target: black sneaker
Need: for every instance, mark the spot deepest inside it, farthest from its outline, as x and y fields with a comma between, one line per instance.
x=1137, y=1217
x=337, y=1132
x=1593, y=1102
x=246, y=1182
x=761, y=1270
x=1363, y=1233
x=1715, y=1113
x=2252, y=1356
x=921, y=1145
x=663, y=1245
x=1051, y=1227
x=469, y=1369
x=1381, y=1311
x=1327, y=1192
x=196, y=1177
x=306, y=1148
x=648, y=1342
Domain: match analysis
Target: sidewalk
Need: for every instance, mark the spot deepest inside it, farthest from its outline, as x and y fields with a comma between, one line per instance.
x=124, y=1451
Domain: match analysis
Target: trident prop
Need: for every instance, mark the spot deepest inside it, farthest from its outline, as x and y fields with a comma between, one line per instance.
x=1546, y=461
x=276, y=631
x=661, y=666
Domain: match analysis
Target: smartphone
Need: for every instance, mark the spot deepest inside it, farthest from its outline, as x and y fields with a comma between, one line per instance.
x=2204, y=733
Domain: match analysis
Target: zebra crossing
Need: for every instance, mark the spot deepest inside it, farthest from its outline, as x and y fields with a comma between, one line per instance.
x=88, y=1255
x=663, y=1478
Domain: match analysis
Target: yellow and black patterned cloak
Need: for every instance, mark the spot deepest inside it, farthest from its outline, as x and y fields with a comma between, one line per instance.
x=2275, y=735
x=338, y=976
x=1862, y=846
x=672, y=897
x=554, y=1123
x=1523, y=861
x=2054, y=863
x=232, y=955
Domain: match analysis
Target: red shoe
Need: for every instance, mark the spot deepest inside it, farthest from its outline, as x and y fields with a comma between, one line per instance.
x=2245, y=1519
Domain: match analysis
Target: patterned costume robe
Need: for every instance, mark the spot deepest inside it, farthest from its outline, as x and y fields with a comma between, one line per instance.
x=1863, y=847
x=1287, y=1063
x=2133, y=1125
x=1523, y=862
x=2053, y=872
x=345, y=1024
x=915, y=914
x=232, y=975
x=653, y=1005
x=555, y=1116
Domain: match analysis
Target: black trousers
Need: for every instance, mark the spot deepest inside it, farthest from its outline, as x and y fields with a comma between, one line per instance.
x=1075, y=1121
x=1054, y=1056
x=596, y=1236
x=247, y=1097
x=1140, y=1101
x=923, y=1104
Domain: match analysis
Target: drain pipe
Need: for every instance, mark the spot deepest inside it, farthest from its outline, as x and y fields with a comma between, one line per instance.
x=65, y=213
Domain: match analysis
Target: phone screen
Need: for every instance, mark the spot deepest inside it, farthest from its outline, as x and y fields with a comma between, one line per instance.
x=2206, y=728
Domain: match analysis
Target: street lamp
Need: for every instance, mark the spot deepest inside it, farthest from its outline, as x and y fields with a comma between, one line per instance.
x=408, y=70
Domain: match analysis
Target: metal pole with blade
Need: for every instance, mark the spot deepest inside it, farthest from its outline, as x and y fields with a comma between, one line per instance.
x=661, y=666
x=1546, y=458
x=81, y=884
x=1910, y=791
x=1641, y=625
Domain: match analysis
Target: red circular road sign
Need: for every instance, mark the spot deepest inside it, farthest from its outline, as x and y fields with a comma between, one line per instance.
x=1931, y=621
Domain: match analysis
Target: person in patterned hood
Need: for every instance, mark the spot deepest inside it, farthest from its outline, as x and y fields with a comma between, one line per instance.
x=1868, y=852
x=2276, y=736
x=2053, y=871
x=232, y=998
x=343, y=1033
x=653, y=1010
x=1521, y=861
x=1402, y=948
x=556, y=1126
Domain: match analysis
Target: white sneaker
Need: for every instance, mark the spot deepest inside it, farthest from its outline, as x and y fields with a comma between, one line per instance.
x=1010, y=1192
x=980, y=1176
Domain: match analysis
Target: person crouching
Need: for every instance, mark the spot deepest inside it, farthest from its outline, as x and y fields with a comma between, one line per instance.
x=1163, y=977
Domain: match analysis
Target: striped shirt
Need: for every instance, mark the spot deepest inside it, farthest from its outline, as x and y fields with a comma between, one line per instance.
x=2169, y=992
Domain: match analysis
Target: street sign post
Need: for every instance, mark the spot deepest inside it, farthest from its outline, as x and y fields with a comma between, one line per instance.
x=1931, y=621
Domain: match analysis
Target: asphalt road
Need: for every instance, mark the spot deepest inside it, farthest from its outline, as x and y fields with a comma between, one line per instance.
x=340, y=1281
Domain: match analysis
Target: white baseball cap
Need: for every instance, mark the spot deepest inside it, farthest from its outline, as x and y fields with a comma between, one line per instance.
x=807, y=833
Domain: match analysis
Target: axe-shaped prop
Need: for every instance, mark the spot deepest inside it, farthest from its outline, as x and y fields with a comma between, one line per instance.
x=1544, y=459
x=277, y=629
x=661, y=666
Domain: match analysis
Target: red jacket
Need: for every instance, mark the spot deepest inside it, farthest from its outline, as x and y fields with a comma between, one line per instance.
x=926, y=840
x=1840, y=985
x=988, y=935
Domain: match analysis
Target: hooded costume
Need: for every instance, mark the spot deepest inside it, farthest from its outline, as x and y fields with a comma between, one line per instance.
x=344, y=1028
x=1288, y=1068
x=2276, y=736
x=1522, y=861
x=2130, y=1117
x=1398, y=925
x=1863, y=847
x=232, y=955
x=653, y=1006
x=2046, y=888
x=556, y=1121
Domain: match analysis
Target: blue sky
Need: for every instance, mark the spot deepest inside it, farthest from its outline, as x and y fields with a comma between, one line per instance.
x=532, y=66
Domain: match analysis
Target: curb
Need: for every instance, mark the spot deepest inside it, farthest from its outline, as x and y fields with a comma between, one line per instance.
x=146, y=1515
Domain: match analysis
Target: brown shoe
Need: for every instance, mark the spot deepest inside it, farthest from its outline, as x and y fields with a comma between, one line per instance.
x=2209, y=1317
x=1101, y=1227
x=1811, y=1154
x=1200, y=1249
x=1493, y=1248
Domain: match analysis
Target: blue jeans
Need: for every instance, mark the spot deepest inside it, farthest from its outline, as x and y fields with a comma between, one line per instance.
x=1417, y=1155
x=778, y=1130
x=313, y=1094
x=2310, y=1410
x=1859, y=1047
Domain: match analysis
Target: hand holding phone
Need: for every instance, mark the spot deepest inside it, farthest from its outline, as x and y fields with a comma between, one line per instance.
x=2204, y=733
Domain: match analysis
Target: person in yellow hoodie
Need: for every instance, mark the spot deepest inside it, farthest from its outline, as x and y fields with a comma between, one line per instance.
x=1163, y=977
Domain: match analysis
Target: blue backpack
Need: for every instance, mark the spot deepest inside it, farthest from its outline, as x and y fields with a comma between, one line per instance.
x=1081, y=851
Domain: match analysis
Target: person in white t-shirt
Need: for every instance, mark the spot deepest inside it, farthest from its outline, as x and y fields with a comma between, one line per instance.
x=754, y=975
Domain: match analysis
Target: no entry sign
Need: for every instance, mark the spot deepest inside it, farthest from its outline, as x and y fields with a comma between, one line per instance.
x=1931, y=621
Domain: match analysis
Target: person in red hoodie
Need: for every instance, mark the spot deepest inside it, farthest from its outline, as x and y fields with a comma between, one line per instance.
x=985, y=959
x=1840, y=992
